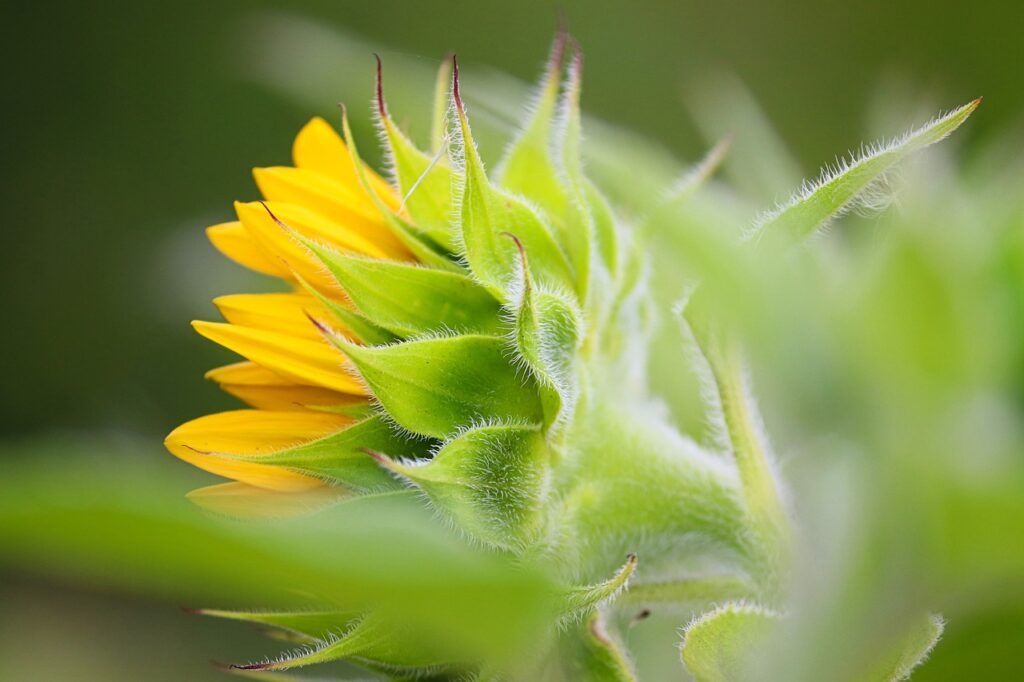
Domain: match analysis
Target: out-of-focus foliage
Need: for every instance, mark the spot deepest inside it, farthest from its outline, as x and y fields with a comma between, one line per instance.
x=889, y=360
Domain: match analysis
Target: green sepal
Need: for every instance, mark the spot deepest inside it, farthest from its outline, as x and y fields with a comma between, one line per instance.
x=373, y=641
x=339, y=457
x=576, y=232
x=439, y=113
x=420, y=244
x=305, y=626
x=834, y=193
x=407, y=299
x=528, y=167
x=717, y=646
x=491, y=481
x=424, y=182
x=681, y=193
x=548, y=335
x=590, y=652
x=435, y=386
x=364, y=330
x=486, y=212
x=579, y=601
x=605, y=231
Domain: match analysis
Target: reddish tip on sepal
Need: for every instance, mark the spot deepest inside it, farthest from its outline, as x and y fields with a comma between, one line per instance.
x=381, y=459
x=455, y=83
x=562, y=38
x=323, y=328
x=381, y=109
x=519, y=244
x=576, y=64
x=280, y=223
x=192, y=611
x=527, y=283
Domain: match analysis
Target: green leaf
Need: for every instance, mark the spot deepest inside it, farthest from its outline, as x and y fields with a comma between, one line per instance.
x=911, y=651
x=717, y=646
x=688, y=591
x=126, y=526
x=310, y=626
x=407, y=299
x=590, y=652
x=582, y=600
x=813, y=207
x=491, y=481
x=424, y=181
x=486, y=212
x=340, y=457
x=734, y=407
x=548, y=334
x=374, y=641
x=434, y=387
x=696, y=177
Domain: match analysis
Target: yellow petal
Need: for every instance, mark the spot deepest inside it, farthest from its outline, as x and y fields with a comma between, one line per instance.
x=243, y=501
x=332, y=200
x=268, y=390
x=235, y=242
x=304, y=360
x=318, y=147
x=293, y=254
x=247, y=374
x=252, y=432
x=291, y=398
x=285, y=312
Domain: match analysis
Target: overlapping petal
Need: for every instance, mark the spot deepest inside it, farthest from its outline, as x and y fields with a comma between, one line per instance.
x=208, y=443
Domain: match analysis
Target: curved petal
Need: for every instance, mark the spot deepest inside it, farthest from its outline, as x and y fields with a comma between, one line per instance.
x=304, y=360
x=331, y=199
x=252, y=432
x=247, y=373
x=272, y=238
x=243, y=501
x=284, y=312
x=235, y=242
x=318, y=147
x=292, y=398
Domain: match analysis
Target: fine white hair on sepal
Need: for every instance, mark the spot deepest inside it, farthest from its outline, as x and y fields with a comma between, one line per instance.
x=931, y=132
x=743, y=606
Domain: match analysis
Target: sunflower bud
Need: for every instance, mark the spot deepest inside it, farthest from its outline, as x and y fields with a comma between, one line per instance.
x=480, y=336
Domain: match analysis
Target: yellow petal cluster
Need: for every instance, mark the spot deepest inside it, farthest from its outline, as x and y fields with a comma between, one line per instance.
x=297, y=383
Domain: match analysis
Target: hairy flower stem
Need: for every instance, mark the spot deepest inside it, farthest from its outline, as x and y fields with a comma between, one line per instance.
x=632, y=483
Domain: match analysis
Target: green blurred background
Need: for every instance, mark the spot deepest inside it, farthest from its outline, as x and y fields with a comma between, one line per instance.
x=131, y=126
